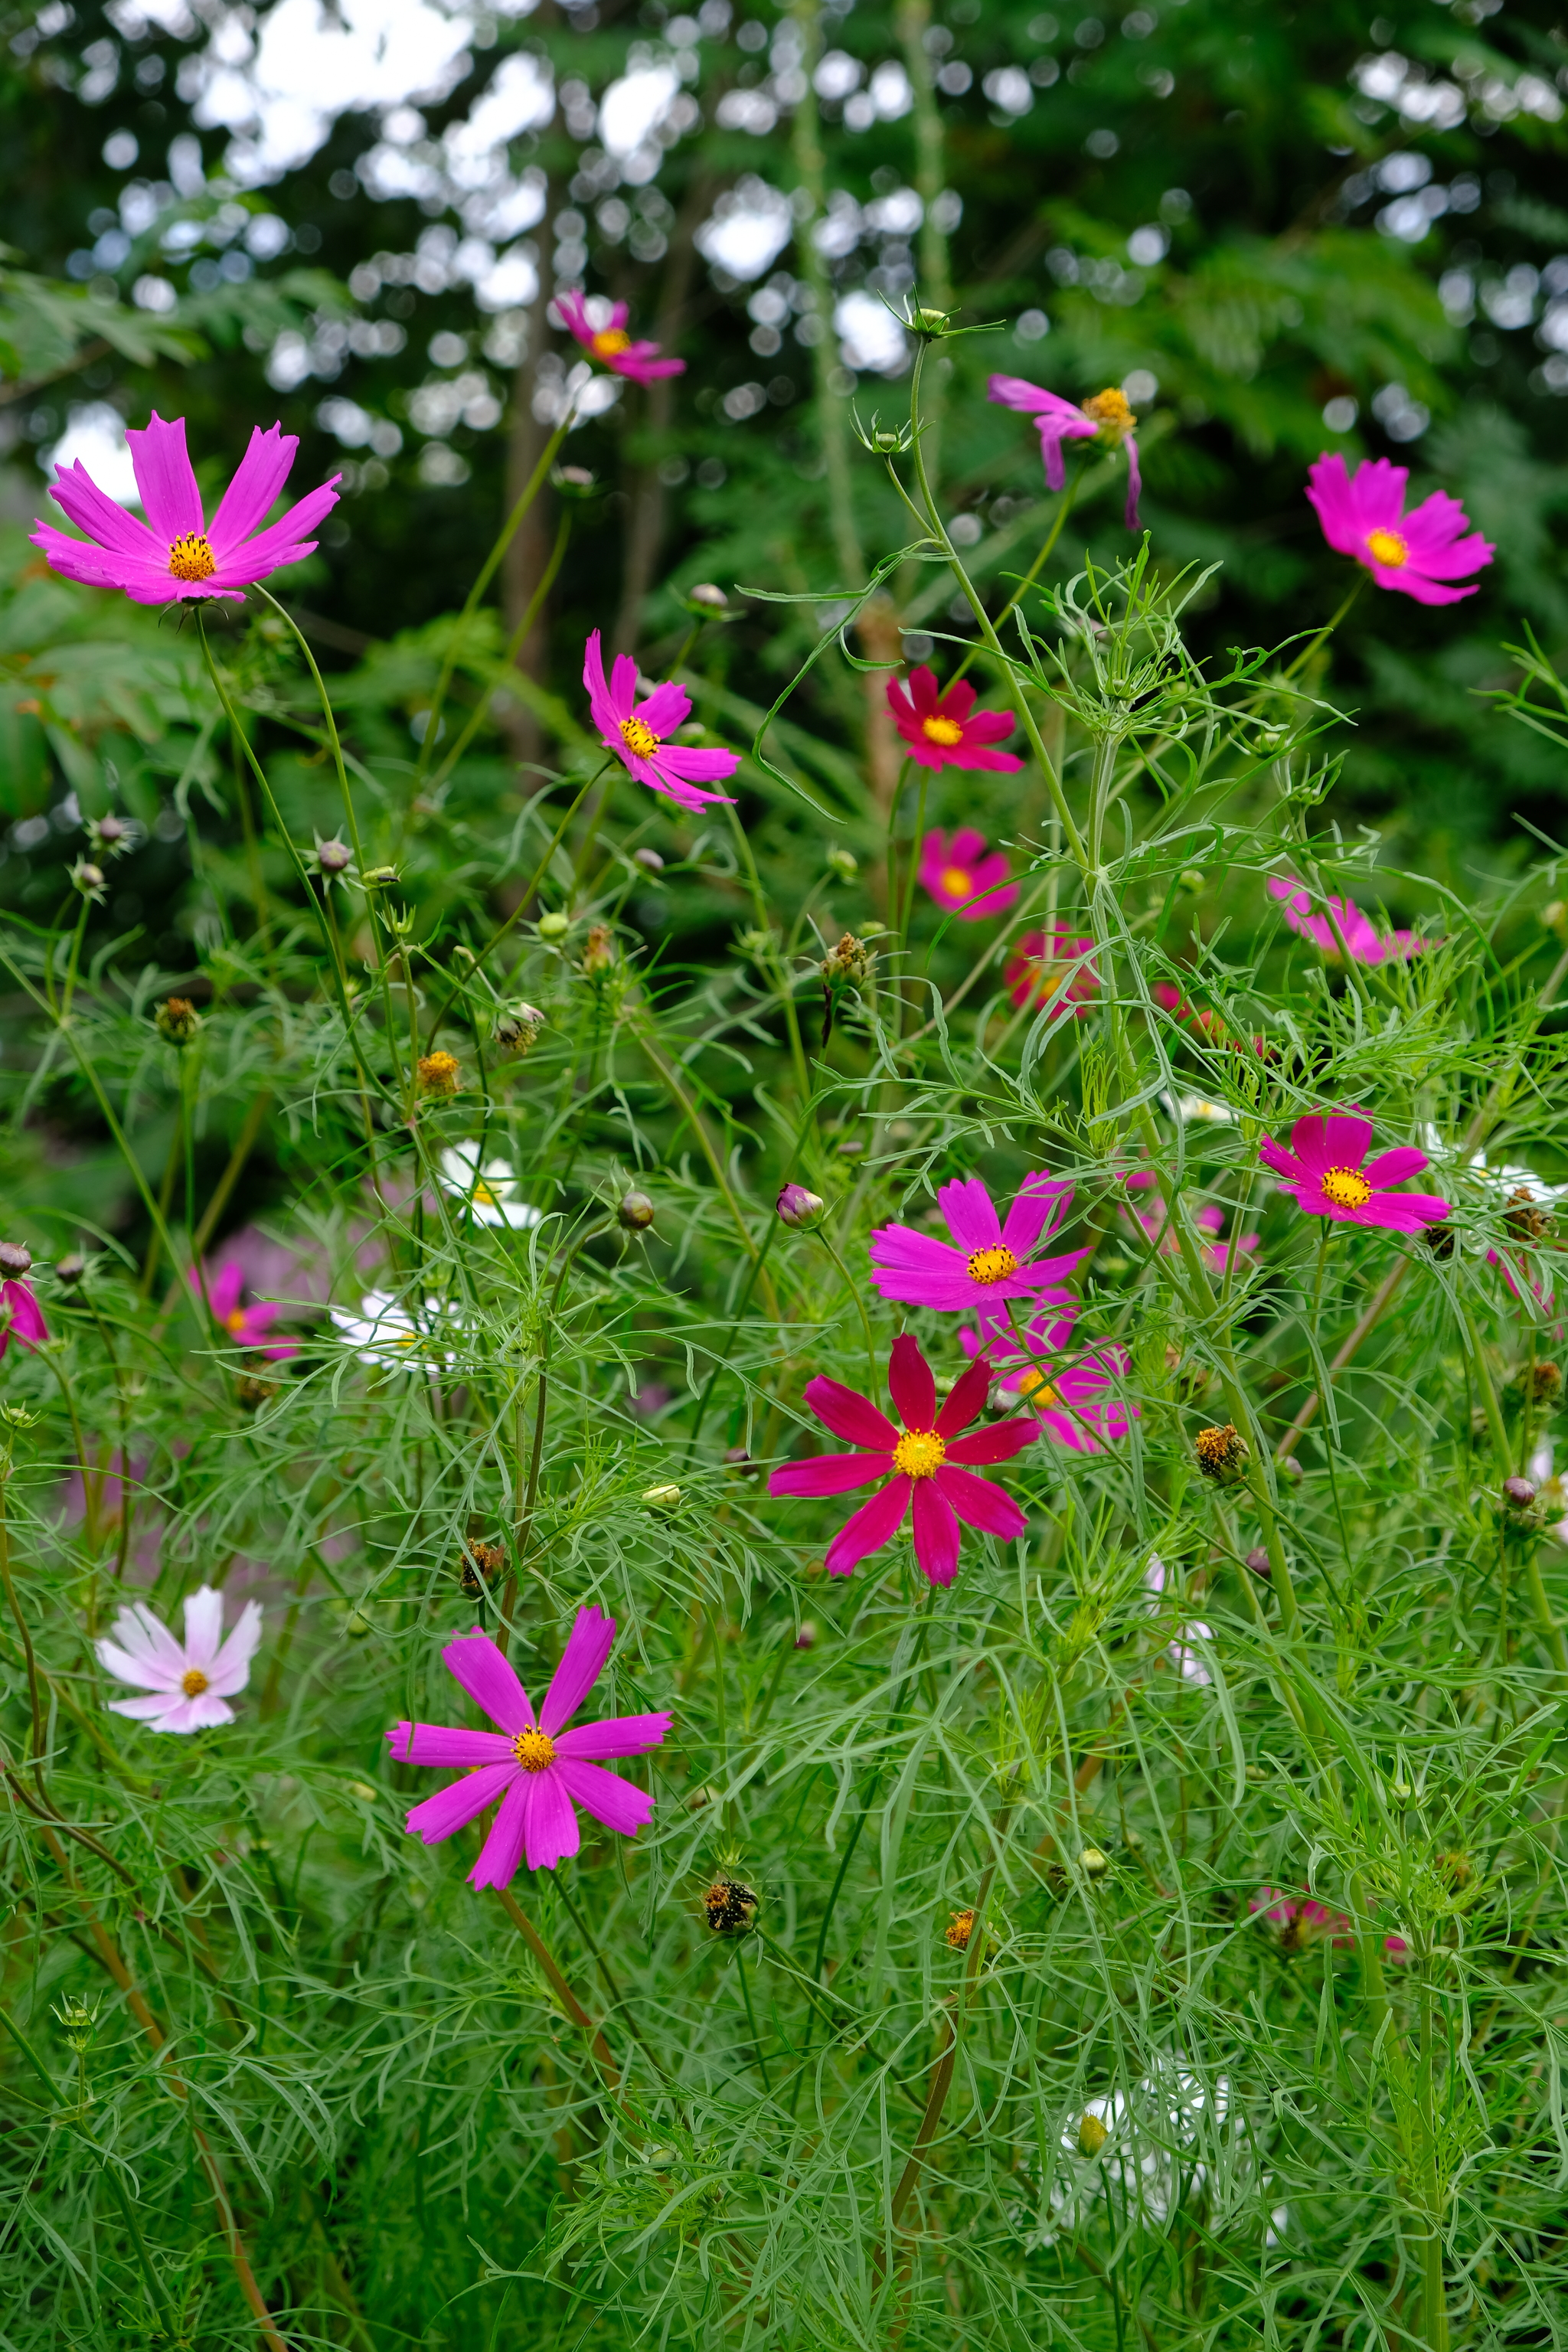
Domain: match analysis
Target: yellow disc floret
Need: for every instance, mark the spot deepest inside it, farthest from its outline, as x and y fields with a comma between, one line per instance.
x=610, y=342
x=1113, y=414
x=1034, y=1389
x=193, y=1682
x=919, y=1454
x=990, y=1266
x=534, y=1750
x=638, y=738
x=1387, y=547
x=191, y=557
x=957, y=883
x=1347, y=1188
x=938, y=730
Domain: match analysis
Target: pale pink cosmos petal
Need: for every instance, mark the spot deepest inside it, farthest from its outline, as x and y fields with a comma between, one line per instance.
x=170, y=498
x=146, y=1710
x=582, y=1661
x=971, y=1214
x=872, y=1526
x=551, y=1833
x=230, y=1669
x=206, y=1712
x=977, y=1503
x=911, y=1384
x=1393, y=1167
x=452, y=1808
x=619, y=1804
x=998, y=1442
x=445, y=1747
x=613, y=1734
x=935, y=1531
x=667, y=707
x=849, y=1415
x=147, y=1637
x=829, y=1474
x=257, y=483
x=143, y=1671
x=204, y=1627
x=77, y=495
x=474, y=1661
x=1042, y=1202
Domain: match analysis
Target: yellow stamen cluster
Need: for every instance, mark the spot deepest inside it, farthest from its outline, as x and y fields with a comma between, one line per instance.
x=1347, y=1188
x=638, y=738
x=193, y=1682
x=938, y=730
x=610, y=342
x=957, y=883
x=1113, y=414
x=438, y=1074
x=989, y=1266
x=1387, y=547
x=534, y=1750
x=919, y=1454
x=191, y=557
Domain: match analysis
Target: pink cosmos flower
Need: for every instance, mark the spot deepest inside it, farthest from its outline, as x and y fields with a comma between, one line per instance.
x=1154, y=1222
x=960, y=875
x=638, y=733
x=945, y=731
x=1332, y=1176
x=610, y=344
x=1048, y=964
x=987, y=1262
x=1365, y=942
x=538, y=1769
x=1364, y=515
x=176, y=554
x=21, y=1317
x=1106, y=417
x=1074, y=1398
x=925, y=1461
x=248, y=1325
x=1302, y=1919
x=191, y=1682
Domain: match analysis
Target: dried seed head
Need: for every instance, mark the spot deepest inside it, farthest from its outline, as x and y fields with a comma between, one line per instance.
x=438, y=1074
x=478, y=1565
x=598, y=949
x=849, y=963
x=250, y=1394
x=1223, y=1454
x=636, y=1212
x=517, y=1027
x=1091, y=2135
x=1524, y=1220
x=1545, y=1380
x=1439, y=1240
x=731, y=1907
x=959, y=1929
x=177, y=1020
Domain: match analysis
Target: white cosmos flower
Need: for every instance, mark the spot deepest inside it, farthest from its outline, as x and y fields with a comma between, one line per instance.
x=189, y=1683
x=488, y=1186
x=383, y=1333
x=1172, y=2141
x=1188, y=1662
x=1199, y=1107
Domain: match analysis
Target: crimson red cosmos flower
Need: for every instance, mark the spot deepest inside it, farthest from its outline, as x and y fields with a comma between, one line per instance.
x=940, y=729
x=610, y=344
x=1047, y=964
x=1332, y=1176
x=961, y=876
x=1362, y=515
x=926, y=1462
x=176, y=554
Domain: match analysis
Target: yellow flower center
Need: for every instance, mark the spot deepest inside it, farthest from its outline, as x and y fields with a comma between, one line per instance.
x=235, y=1322
x=486, y=1194
x=191, y=557
x=1112, y=413
x=638, y=737
x=534, y=1750
x=1034, y=1389
x=918, y=1453
x=990, y=1266
x=610, y=342
x=957, y=883
x=193, y=1682
x=1347, y=1188
x=1387, y=547
x=939, y=729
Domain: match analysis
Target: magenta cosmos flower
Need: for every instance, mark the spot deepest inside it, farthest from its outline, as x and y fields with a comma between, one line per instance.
x=248, y=1325
x=1364, y=515
x=1365, y=943
x=964, y=877
x=190, y=1682
x=1332, y=1176
x=21, y=1317
x=176, y=554
x=1106, y=417
x=637, y=732
x=1073, y=1396
x=610, y=344
x=945, y=731
x=987, y=1262
x=1048, y=964
x=538, y=1769
x=927, y=1463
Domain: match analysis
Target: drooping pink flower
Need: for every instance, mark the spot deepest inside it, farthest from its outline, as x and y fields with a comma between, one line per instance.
x=928, y=1462
x=962, y=876
x=248, y=1325
x=1106, y=417
x=177, y=554
x=987, y=1262
x=1363, y=516
x=1154, y=1222
x=21, y=1317
x=538, y=1769
x=191, y=1682
x=639, y=734
x=1073, y=1394
x=610, y=344
x=1048, y=964
x=1332, y=1177
x=945, y=731
x=1365, y=941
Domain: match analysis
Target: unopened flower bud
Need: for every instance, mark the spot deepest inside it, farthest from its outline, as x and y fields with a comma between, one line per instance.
x=1223, y=1454
x=731, y=1907
x=1555, y=916
x=110, y=831
x=1260, y=1562
x=662, y=1498
x=929, y=323
x=334, y=857
x=77, y=2022
x=1190, y=878
x=797, y=1208
x=1291, y=1467
x=636, y=1212
x=88, y=877
x=517, y=1027
x=708, y=597
x=436, y=1074
x=598, y=949
x=177, y=1020
x=16, y=1260
x=843, y=863
x=1091, y=2135
x=554, y=926
x=805, y=1638
x=1092, y=1863
x=575, y=481
x=886, y=445
x=379, y=878
x=649, y=860
x=70, y=1270
x=1518, y=1493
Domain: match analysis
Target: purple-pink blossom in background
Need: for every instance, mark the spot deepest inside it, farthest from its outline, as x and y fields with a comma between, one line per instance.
x=1365, y=942
x=246, y=1326
x=1075, y=1394
x=610, y=344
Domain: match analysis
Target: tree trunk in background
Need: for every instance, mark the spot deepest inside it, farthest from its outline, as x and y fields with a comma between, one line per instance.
x=645, y=525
